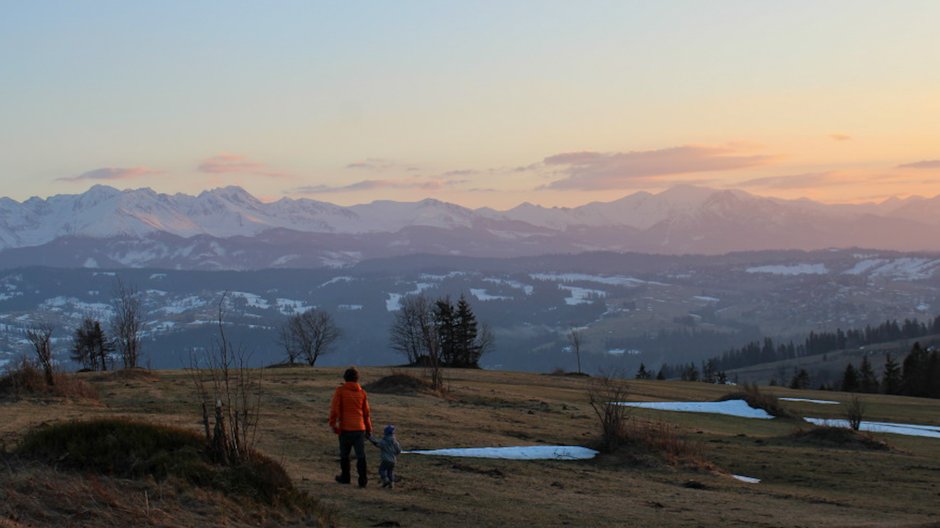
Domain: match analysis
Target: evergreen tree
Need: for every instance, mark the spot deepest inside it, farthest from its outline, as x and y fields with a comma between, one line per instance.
x=642, y=373
x=850, y=379
x=914, y=374
x=90, y=347
x=867, y=379
x=661, y=375
x=933, y=376
x=466, y=347
x=891, y=378
x=690, y=373
x=800, y=380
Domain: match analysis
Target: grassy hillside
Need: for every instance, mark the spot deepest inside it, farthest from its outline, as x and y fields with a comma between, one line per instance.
x=804, y=483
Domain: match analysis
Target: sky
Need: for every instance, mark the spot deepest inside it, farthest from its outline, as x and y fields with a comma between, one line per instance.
x=486, y=103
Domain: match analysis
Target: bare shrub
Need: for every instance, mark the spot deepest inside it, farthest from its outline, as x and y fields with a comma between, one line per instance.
x=575, y=339
x=224, y=383
x=605, y=394
x=855, y=412
x=308, y=336
x=665, y=440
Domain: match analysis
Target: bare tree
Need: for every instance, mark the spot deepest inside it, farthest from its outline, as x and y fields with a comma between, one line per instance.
x=605, y=393
x=486, y=341
x=40, y=337
x=126, y=323
x=309, y=335
x=575, y=339
x=223, y=380
x=414, y=333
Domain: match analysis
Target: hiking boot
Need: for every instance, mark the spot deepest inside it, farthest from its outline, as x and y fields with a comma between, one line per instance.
x=342, y=480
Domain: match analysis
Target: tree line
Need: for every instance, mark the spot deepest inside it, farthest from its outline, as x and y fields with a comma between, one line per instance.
x=766, y=351
x=918, y=374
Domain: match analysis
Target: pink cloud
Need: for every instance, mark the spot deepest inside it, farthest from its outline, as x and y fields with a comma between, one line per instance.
x=600, y=170
x=926, y=164
x=794, y=181
x=237, y=164
x=840, y=137
x=369, y=185
x=112, y=173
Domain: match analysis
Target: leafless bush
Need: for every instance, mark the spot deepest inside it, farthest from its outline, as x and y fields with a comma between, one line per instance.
x=666, y=441
x=40, y=337
x=224, y=382
x=604, y=394
x=308, y=335
x=23, y=378
x=855, y=412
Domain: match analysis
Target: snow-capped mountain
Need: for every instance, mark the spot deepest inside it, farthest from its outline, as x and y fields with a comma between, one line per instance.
x=227, y=228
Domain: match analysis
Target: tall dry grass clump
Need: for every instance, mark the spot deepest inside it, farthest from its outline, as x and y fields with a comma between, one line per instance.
x=24, y=379
x=756, y=399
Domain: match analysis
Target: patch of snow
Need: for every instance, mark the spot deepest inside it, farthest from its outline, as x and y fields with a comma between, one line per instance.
x=923, y=307
x=795, y=269
x=738, y=408
x=481, y=295
x=393, y=303
x=349, y=307
x=335, y=280
x=581, y=295
x=515, y=453
x=706, y=298
x=613, y=280
x=90, y=263
x=254, y=301
x=526, y=288
x=179, y=306
x=104, y=273
x=749, y=480
x=821, y=402
x=907, y=268
x=157, y=276
x=864, y=265
x=292, y=306
x=930, y=431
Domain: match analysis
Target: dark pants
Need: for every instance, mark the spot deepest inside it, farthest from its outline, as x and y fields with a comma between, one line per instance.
x=349, y=440
x=387, y=471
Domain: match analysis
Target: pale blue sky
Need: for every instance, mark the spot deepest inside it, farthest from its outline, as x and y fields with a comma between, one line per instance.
x=446, y=99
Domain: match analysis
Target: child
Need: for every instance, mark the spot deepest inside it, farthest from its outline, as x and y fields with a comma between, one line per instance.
x=390, y=451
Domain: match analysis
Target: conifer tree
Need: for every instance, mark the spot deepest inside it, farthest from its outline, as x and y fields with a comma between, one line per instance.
x=914, y=374
x=642, y=373
x=867, y=379
x=850, y=379
x=891, y=378
x=800, y=380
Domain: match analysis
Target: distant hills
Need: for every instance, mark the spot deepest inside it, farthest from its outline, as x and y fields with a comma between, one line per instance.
x=227, y=228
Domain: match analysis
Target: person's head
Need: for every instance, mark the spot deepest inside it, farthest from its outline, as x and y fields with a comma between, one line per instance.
x=351, y=374
x=389, y=430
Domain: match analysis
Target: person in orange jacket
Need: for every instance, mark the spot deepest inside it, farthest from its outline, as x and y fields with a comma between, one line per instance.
x=349, y=418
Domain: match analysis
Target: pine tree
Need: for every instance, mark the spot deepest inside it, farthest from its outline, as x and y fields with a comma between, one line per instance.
x=661, y=375
x=891, y=378
x=445, y=323
x=867, y=379
x=90, y=347
x=642, y=373
x=800, y=380
x=850, y=379
x=466, y=346
x=914, y=374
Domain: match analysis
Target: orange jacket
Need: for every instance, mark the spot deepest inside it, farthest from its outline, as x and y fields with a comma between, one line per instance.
x=349, y=410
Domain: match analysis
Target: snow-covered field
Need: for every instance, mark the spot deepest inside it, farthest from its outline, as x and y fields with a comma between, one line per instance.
x=931, y=431
x=738, y=408
x=515, y=453
x=749, y=480
x=481, y=295
x=613, y=280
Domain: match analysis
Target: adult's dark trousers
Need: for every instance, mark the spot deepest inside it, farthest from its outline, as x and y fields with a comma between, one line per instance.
x=349, y=440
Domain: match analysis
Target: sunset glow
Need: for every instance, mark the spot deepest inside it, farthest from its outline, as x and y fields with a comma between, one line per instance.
x=480, y=104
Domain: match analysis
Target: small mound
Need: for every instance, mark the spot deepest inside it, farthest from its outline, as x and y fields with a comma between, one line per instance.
x=400, y=383
x=759, y=400
x=135, y=450
x=839, y=437
x=129, y=374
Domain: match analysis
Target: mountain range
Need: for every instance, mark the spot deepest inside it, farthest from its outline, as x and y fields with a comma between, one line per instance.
x=228, y=228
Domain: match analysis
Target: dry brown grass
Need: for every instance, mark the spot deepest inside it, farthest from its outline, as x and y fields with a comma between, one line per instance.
x=25, y=380
x=400, y=382
x=757, y=399
x=802, y=485
x=840, y=437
